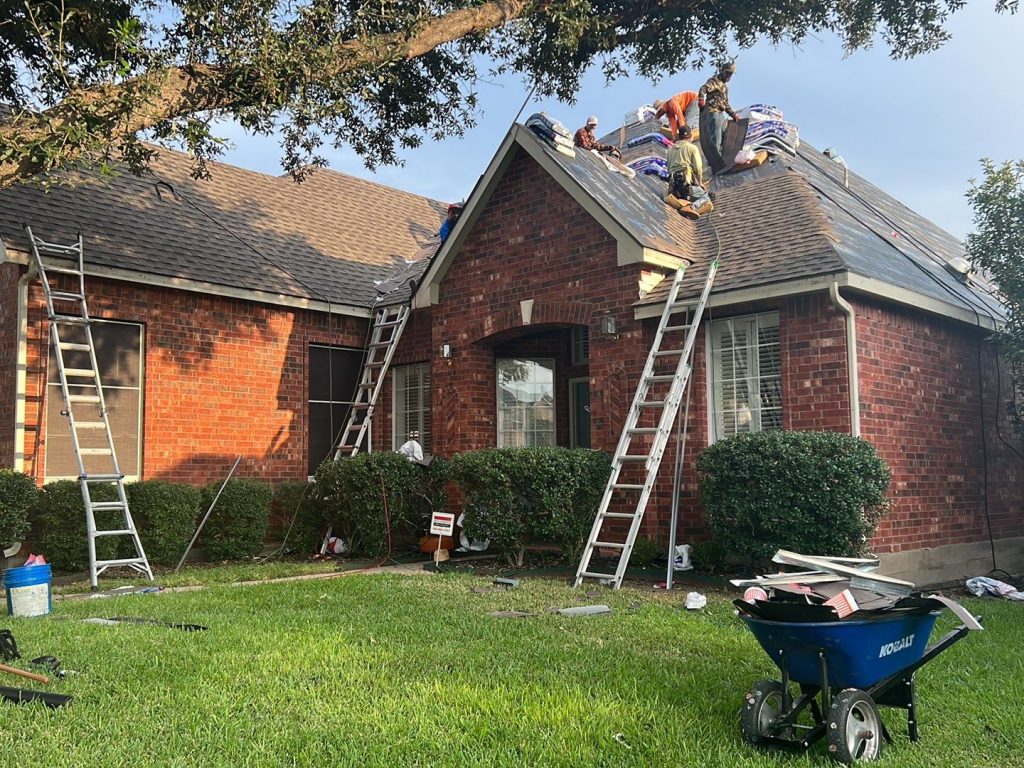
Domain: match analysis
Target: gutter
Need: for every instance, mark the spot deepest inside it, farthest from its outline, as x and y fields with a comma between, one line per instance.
x=851, y=355
x=21, y=368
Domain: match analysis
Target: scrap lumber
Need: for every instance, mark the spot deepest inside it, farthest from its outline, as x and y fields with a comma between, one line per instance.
x=885, y=585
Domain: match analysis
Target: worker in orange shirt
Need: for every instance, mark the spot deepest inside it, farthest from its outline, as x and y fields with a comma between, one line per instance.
x=682, y=109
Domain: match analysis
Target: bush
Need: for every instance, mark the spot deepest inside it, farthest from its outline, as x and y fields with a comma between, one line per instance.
x=17, y=493
x=514, y=494
x=300, y=515
x=708, y=556
x=371, y=497
x=645, y=551
x=238, y=524
x=59, y=530
x=818, y=493
x=165, y=516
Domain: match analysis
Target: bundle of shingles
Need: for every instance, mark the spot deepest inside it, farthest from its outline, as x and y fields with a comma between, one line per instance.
x=643, y=142
x=768, y=130
x=835, y=589
x=552, y=133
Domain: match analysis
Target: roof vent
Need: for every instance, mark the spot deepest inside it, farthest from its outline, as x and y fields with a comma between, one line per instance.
x=960, y=268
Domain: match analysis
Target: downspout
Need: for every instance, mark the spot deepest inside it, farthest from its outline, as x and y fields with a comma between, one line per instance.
x=851, y=355
x=21, y=368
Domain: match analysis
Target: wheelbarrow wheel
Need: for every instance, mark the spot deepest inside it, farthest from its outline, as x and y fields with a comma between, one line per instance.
x=761, y=709
x=854, y=727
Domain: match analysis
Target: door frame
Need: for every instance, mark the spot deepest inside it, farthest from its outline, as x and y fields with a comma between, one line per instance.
x=573, y=426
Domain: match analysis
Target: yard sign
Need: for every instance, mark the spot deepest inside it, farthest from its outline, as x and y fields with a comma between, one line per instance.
x=442, y=523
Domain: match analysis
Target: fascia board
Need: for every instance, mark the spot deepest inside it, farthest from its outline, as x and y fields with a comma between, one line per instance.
x=756, y=293
x=210, y=289
x=882, y=289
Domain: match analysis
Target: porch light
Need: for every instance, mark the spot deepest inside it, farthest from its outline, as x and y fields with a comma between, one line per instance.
x=446, y=351
x=608, y=325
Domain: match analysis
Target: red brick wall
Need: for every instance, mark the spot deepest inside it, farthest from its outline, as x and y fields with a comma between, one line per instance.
x=223, y=377
x=920, y=405
x=9, y=274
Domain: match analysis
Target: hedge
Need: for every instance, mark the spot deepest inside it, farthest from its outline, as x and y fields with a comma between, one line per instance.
x=58, y=525
x=371, y=498
x=813, y=492
x=517, y=494
x=17, y=494
x=165, y=516
x=238, y=524
x=299, y=515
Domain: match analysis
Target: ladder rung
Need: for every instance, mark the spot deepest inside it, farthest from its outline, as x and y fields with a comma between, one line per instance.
x=621, y=515
x=89, y=425
x=61, y=270
x=652, y=404
x=132, y=561
x=643, y=430
x=627, y=487
x=592, y=575
x=378, y=364
x=609, y=544
x=673, y=328
x=667, y=352
x=367, y=385
x=105, y=505
x=72, y=347
x=79, y=372
x=83, y=398
x=658, y=377
x=125, y=532
x=388, y=324
x=70, y=320
x=101, y=478
x=95, y=451
x=66, y=296
x=634, y=457
x=379, y=344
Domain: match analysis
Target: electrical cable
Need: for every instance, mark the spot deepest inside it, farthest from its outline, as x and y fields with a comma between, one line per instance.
x=972, y=303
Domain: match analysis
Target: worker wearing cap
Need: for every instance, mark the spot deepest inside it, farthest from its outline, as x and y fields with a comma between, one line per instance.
x=454, y=211
x=685, y=167
x=585, y=138
x=680, y=110
x=714, y=105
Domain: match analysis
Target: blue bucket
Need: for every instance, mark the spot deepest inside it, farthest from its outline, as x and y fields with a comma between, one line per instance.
x=859, y=653
x=28, y=590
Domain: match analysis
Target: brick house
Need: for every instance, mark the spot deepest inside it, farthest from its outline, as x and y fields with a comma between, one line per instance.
x=833, y=309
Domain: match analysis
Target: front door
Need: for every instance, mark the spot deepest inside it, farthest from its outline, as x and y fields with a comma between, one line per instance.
x=579, y=402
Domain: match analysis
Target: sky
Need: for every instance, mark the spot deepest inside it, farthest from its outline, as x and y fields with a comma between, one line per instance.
x=916, y=128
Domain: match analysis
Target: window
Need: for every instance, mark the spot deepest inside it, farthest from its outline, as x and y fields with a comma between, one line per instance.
x=526, y=403
x=411, y=406
x=746, y=375
x=333, y=373
x=119, y=357
x=580, y=345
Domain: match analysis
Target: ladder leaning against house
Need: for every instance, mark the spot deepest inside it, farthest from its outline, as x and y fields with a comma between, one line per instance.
x=67, y=310
x=643, y=441
x=388, y=324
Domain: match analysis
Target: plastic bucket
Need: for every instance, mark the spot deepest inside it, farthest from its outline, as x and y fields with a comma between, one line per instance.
x=28, y=590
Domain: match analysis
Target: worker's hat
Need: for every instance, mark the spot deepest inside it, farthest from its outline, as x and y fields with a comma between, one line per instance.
x=658, y=103
x=591, y=120
x=727, y=66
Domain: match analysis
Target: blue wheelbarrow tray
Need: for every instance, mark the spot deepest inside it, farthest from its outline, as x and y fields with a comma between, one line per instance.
x=859, y=653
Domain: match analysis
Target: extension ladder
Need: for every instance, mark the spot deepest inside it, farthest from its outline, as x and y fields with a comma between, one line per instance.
x=642, y=444
x=388, y=324
x=67, y=310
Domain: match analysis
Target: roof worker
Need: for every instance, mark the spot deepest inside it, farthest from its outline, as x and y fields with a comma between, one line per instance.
x=454, y=211
x=585, y=138
x=714, y=105
x=685, y=174
x=680, y=110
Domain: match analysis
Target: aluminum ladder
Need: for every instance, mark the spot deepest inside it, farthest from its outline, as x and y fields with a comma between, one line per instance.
x=388, y=324
x=66, y=310
x=642, y=443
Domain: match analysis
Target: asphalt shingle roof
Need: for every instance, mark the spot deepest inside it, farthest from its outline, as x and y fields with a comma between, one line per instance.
x=328, y=238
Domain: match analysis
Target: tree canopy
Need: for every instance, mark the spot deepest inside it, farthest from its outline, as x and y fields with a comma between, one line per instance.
x=997, y=247
x=90, y=80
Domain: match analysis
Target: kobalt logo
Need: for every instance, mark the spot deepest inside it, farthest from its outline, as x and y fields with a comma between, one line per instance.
x=890, y=648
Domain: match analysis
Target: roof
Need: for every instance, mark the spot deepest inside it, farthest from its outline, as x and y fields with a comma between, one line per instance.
x=326, y=240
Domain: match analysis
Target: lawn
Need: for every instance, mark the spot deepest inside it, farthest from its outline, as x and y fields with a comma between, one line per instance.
x=409, y=670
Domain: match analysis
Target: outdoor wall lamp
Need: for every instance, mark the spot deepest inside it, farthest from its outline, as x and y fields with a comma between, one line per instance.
x=608, y=325
x=446, y=351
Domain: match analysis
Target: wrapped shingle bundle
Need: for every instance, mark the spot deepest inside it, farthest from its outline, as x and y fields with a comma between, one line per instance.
x=552, y=132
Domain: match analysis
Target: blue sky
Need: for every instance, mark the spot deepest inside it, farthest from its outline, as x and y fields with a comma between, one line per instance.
x=916, y=128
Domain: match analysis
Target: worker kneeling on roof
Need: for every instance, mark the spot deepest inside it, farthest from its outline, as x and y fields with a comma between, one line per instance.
x=685, y=176
x=585, y=138
x=680, y=110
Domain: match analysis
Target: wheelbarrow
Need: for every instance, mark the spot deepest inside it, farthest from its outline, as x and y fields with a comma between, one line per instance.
x=845, y=670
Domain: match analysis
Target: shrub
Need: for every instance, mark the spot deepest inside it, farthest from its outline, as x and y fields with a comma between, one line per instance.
x=59, y=530
x=813, y=492
x=17, y=493
x=300, y=515
x=165, y=515
x=645, y=551
x=238, y=524
x=371, y=497
x=514, y=494
x=708, y=556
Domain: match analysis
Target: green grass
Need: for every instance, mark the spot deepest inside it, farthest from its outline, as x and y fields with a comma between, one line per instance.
x=400, y=670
